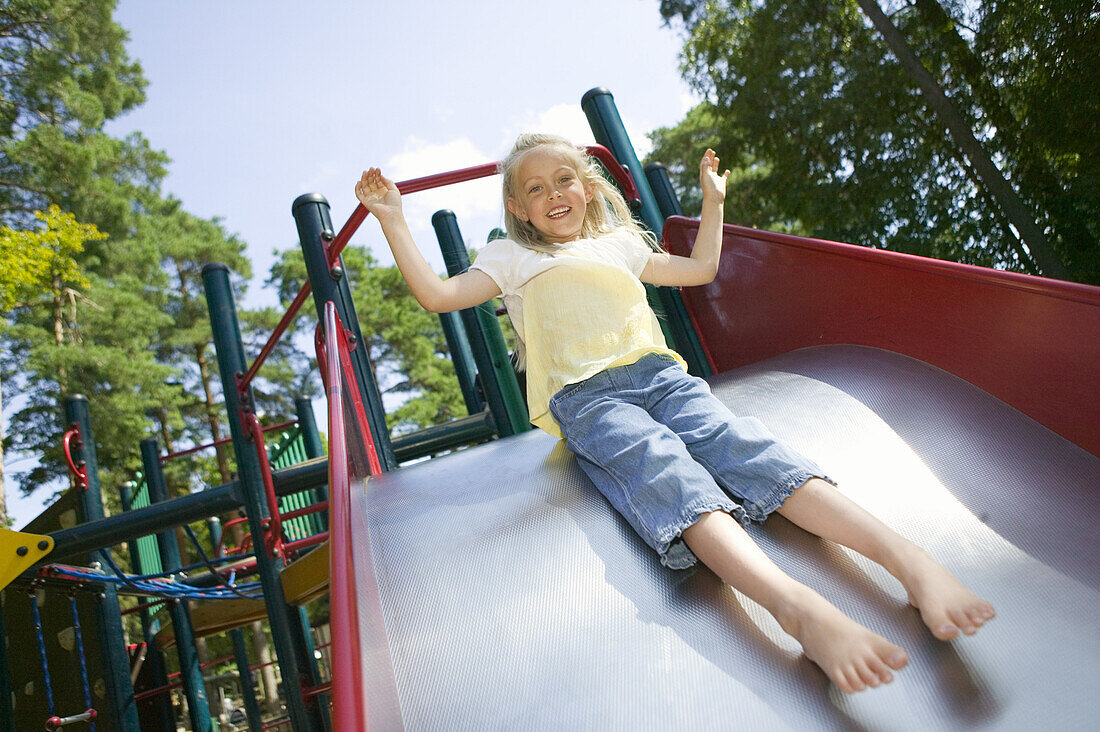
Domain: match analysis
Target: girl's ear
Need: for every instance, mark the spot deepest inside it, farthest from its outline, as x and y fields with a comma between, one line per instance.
x=516, y=209
x=588, y=193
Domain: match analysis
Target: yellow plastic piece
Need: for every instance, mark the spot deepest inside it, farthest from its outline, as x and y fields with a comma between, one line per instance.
x=305, y=579
x=216, y=616
x=19, y=551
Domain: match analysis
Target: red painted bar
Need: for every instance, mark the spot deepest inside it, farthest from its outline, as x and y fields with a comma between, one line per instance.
x=1030, y=341
x=180, y=453
x=80, y=474
x=319, y=689
x=273, y=540
x=305, y=511
x=349, y=701
x=276, y=334
x=305, y=543
x=438, y=180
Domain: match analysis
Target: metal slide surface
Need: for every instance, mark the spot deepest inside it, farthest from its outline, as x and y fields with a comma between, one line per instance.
x=512, y=597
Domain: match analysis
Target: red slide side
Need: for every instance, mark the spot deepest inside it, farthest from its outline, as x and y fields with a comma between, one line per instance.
x=1032, y=342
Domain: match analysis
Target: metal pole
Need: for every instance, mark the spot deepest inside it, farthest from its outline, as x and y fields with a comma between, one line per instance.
x=162, y=703
x=198, y=707
x=240, y=649
x=311, y=213
x=609, y=131
x=458, y=343
x=145, y=521
x=315, y=448
x=286, y=630
x=498, y=378
x=7, y=721
x=668, y=203
x=108, y=618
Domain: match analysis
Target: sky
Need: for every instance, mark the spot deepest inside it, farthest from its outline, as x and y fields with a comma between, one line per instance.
x=258, y=102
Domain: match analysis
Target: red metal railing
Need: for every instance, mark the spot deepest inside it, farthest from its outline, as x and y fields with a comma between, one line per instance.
x=415, y=185
x=349, y=699
x=80, y=473
x=180, y=453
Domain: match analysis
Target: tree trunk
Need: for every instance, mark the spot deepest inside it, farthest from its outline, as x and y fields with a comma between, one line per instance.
x=267, y=669
x=1014, y=209
x=3, y=495
x=212, y=411
x=1033, y=170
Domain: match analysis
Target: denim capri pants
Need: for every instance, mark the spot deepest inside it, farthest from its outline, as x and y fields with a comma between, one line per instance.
x=664, y=450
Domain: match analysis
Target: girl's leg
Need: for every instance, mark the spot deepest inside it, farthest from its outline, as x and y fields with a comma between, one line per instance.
x=852, y=656
x=945, y=604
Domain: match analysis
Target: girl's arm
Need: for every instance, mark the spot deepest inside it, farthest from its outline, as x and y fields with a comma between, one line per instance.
x=701, y=267
x=379, y=195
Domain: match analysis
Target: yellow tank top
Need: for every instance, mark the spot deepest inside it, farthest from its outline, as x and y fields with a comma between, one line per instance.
x=581, y=317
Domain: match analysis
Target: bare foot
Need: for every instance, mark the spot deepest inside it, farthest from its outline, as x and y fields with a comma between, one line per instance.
x=852, y=656
x=946, y=605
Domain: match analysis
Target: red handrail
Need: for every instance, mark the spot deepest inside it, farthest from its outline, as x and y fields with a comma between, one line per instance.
x=80, y=474
x=314, y=540
x=305, y=510
x=273, y=524
x=349, y=700
x=220, y=441
x=621, y=175
x=292, y=311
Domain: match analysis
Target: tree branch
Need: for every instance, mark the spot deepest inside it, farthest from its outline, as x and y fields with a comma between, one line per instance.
x=1010, y=204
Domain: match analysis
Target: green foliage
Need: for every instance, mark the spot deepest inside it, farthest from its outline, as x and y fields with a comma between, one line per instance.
x=66, y=339
x=407, y=346
x=32, y=261
x=829, y=137
x=64, y=72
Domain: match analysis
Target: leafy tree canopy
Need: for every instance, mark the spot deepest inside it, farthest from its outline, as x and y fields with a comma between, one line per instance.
x=407, y=345
x=30, y=261
x=64, y=72
x=829, y=136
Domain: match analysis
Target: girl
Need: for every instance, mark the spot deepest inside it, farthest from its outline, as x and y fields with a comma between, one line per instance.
x=672, y=459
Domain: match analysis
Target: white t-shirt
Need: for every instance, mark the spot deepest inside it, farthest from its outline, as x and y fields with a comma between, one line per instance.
x=579, y=310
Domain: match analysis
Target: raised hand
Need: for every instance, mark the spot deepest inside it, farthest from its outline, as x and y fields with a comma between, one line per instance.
x=378, y=194
x=712, y=183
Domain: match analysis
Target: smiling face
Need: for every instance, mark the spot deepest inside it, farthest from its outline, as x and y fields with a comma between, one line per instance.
x=550, y=195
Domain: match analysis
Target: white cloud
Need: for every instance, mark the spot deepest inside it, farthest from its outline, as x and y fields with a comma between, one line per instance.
x=569, y=121
x=688, y=101
x=476, y=204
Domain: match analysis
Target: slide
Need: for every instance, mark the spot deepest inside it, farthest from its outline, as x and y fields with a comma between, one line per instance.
x=497, y=587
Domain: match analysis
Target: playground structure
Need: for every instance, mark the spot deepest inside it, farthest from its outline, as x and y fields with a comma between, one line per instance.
x=494, y=588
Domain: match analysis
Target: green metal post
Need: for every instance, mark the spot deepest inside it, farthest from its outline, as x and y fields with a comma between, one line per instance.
x=498, y=379
x=307, y=423
x=291, y=646
x=162, y=703
x=315, y=447
x=311, y=213
x=7, y=721
x=240, y=649
x=609, y=131
x=198, y=706
x=108, y=618
x=458, y=343
x=668, y=203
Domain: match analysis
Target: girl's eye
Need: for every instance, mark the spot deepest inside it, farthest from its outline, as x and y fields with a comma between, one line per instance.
x=565, y=179
x=535, y=189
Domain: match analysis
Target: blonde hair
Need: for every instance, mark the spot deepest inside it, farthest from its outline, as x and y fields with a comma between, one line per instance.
x=606, y=212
